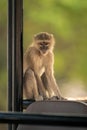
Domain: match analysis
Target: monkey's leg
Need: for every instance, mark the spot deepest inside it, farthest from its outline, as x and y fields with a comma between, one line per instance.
x=30, y=86
x=53, y=91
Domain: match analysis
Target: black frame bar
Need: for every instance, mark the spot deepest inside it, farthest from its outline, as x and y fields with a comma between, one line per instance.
x=9, y=50
x=9, y=60
x=72, y=120
x=17, y=55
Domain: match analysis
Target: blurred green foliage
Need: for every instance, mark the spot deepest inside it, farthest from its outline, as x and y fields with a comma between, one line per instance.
x=3, y=55
x=67, y=20
x=3, y=58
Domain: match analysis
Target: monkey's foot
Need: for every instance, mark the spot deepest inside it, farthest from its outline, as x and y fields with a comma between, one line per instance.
x=62, y=98
x=55, y=98
x=38, y=98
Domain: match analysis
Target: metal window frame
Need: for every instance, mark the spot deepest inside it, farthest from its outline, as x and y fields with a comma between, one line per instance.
x=73, y=120
x=15, y=56
x=15, y=79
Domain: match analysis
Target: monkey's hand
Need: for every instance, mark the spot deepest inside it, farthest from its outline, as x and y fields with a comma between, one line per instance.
x=39, y=98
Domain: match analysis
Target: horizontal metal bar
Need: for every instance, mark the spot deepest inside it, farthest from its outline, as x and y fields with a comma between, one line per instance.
x=44, y=119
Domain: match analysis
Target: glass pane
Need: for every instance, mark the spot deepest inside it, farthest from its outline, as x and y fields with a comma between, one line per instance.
x=67, y=20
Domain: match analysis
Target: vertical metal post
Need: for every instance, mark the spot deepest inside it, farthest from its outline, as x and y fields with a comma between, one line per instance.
x=9, y=58
x=10, y=55
x=15, y=55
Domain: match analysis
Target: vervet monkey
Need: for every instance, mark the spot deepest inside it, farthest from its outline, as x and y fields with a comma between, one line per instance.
x=38, y=74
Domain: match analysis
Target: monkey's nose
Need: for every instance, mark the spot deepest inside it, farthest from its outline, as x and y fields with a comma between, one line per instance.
x=42, y=47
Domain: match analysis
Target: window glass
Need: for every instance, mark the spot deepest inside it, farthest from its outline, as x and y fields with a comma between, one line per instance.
x=67, y=20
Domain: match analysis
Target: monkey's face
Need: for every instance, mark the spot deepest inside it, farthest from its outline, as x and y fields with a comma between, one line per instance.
x=44, y=42
x=44, y=46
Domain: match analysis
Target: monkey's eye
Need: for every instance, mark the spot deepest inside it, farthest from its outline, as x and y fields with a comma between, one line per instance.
x=46, y=43
x=41, y=43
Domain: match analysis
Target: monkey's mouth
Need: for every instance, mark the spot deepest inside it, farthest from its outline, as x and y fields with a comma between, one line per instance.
x=44, y=51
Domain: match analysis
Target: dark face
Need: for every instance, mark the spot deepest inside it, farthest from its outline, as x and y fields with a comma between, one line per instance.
x=44, y=46
x=44, y=42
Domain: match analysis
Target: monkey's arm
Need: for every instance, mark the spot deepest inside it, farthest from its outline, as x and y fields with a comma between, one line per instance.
x=52, y=83
x=50, y=77
x=41, y=87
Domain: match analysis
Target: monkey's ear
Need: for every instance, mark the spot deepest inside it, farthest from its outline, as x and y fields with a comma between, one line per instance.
x=34, y=36
x=51, y=35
